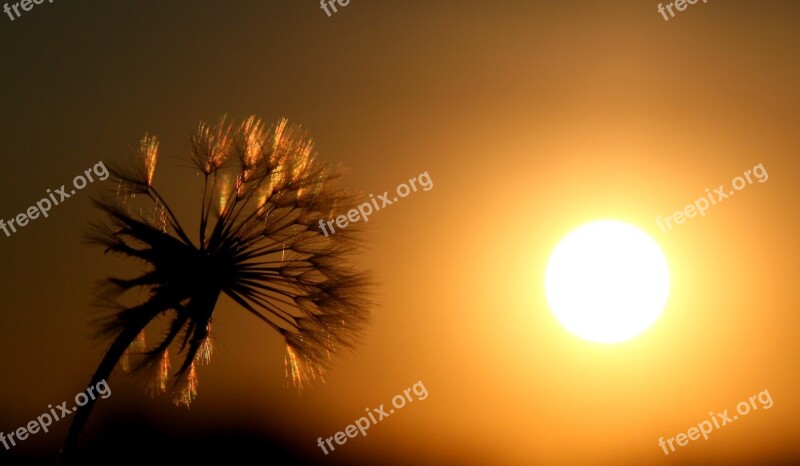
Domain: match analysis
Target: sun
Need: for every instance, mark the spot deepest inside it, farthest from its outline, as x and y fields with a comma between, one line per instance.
x=607, y=281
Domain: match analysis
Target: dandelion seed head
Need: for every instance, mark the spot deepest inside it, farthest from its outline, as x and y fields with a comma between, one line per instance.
x=211, y=146
x=263, y=250
x=206, y=349
x=148, y=148
x=224, y=190
x=253, y=135
x=188, y=390
x=160, y=375
x=163, y=371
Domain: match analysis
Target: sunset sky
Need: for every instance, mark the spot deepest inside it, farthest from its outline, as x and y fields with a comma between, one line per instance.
x=531, y=118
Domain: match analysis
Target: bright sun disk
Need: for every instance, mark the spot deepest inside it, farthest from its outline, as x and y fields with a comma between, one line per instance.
x=607, y=281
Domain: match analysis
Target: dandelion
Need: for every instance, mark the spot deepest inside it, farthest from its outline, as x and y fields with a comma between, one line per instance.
x=257, y=243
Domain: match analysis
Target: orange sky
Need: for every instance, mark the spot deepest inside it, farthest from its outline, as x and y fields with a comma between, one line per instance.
x=531, y=118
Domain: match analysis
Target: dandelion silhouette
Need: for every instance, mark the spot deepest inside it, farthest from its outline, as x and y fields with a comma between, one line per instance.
x=258, y=243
